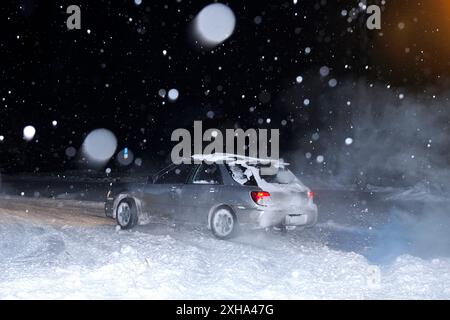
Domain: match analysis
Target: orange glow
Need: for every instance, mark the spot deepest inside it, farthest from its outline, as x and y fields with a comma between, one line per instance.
x=415, y=38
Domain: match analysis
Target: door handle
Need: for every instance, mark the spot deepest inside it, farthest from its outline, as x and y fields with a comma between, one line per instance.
x=173, y=189
x=212, y=189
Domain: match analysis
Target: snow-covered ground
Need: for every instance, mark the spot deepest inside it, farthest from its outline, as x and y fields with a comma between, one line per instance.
x=66, y=249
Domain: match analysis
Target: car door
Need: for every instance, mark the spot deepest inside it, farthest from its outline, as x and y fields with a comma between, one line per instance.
x=166, y=189
x=155, y=193
x=200, y=192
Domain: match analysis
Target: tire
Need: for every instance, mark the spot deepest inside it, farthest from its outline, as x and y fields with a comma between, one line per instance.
x=126, y=214
x=224, y=224
x=280, y=228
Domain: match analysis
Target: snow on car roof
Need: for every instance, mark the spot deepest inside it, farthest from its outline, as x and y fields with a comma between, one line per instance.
x=229, y=158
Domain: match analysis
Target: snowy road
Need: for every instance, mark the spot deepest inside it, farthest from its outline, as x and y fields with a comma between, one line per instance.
x=66, y=249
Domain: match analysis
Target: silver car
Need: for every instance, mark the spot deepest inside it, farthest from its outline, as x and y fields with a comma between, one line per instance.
x=224, y=196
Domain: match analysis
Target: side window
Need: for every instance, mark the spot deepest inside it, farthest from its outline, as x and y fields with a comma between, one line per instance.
x=208, y=174
x=175, y=175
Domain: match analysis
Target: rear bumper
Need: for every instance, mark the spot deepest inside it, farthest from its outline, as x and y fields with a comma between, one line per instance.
x=264, y=218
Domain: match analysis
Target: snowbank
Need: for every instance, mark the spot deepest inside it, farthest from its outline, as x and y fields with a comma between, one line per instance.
x=161, y=262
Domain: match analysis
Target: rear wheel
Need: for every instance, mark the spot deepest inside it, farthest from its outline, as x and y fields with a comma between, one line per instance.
x=280, y=228
x=126, y=214
x=223, y=223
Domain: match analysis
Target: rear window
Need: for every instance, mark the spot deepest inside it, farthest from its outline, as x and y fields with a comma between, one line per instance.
x=244, y=176
x=283, y=176
x=241, y=175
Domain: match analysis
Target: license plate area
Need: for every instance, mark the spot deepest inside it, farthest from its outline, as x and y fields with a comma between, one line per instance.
x=296, y=220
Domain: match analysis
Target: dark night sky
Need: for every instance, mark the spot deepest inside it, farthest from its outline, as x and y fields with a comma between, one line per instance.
x=110, y=77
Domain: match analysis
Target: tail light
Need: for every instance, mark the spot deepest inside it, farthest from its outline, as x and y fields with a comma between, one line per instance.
x=311, y=195
x=260, y=197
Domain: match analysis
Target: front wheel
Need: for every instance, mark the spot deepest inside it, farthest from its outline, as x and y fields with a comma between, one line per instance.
x=223, y=224
x=126, y=214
